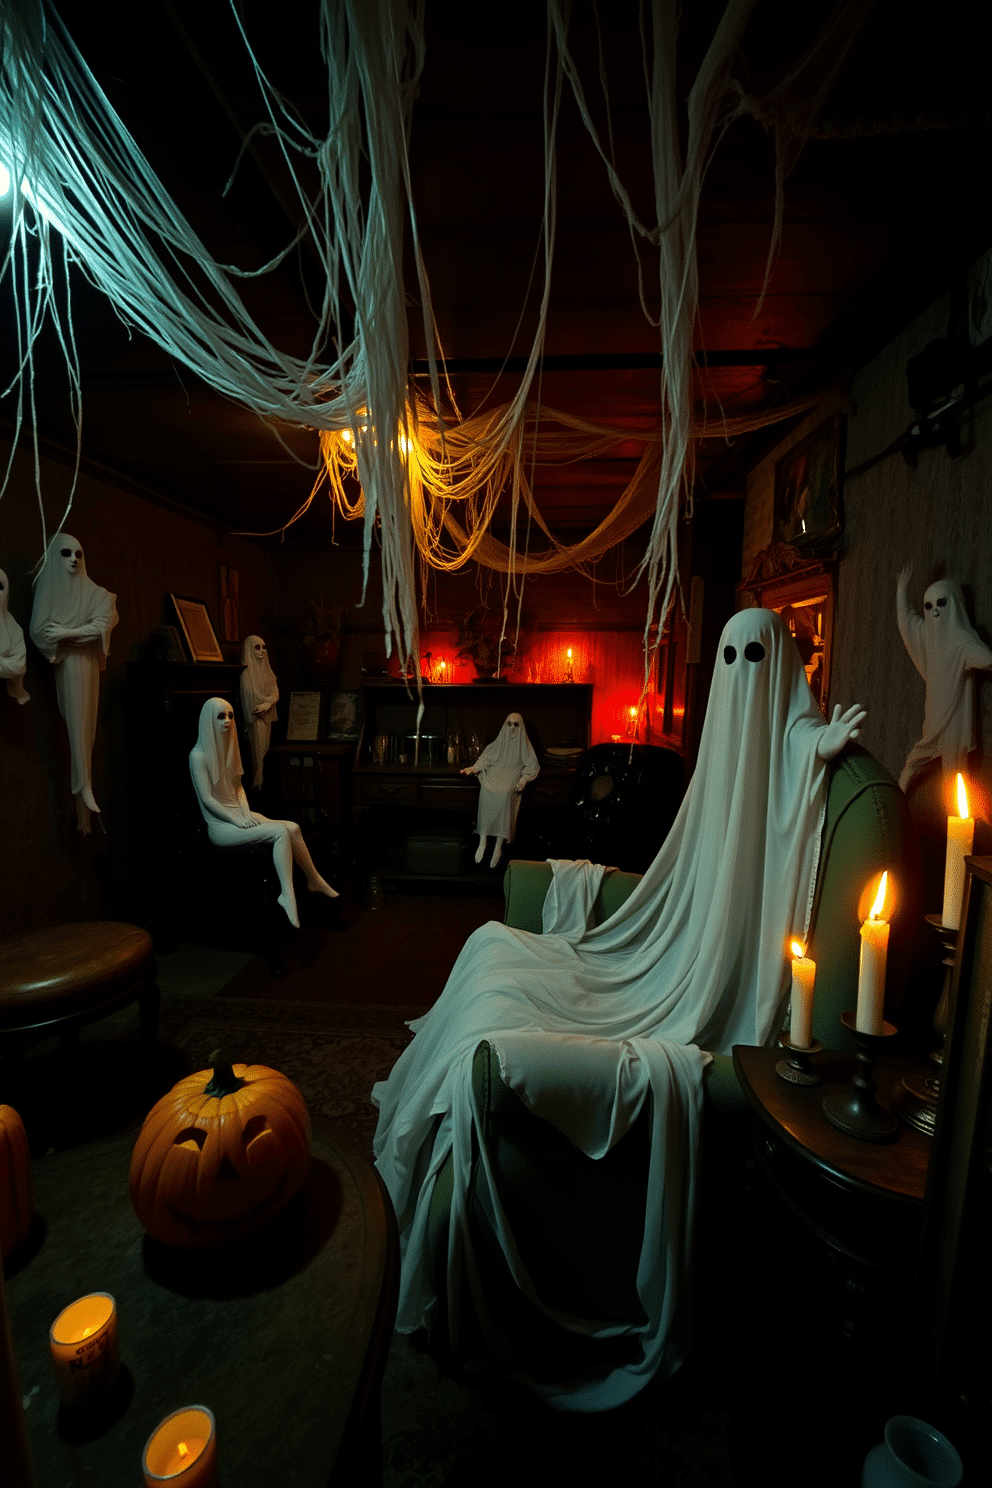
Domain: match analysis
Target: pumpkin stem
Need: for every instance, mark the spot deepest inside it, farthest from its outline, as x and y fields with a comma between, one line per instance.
x=223, y=1081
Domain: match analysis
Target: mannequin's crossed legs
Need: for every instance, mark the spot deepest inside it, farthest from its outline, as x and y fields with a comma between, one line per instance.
x=288, y=848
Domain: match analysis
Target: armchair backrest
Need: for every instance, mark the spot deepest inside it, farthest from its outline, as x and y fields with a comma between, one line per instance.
x=867, y=828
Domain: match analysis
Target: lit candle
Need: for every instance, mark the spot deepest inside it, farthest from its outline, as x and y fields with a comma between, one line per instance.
x=803, y=977
x=871, y=974
x=183, y=1450
x=960, y=839
x=83, y=1341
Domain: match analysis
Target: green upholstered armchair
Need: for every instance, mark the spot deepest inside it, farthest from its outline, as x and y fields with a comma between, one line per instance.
x=584, y=1219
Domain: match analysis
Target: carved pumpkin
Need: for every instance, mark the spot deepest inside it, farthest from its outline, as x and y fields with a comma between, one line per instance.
x=219, y=1155
x=16, y=1194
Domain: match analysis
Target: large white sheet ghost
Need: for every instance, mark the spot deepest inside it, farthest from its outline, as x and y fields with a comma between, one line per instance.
x=592, y=1023
x=215, y=765
x=504, y=768
x=946, y=652
x=71, y=622
x=259, y=695
x=13, y=653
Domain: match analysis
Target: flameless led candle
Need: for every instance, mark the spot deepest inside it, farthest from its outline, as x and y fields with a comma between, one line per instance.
x=871, y=974
x=803, y=977
x=182, y=1450
x=83, y=1341
x=960, y=840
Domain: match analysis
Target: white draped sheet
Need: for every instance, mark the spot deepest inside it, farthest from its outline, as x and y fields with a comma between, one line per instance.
x=504, y=768
x=259, y=695
x=13, y=652
x=591, y=1023
x=71, y=622
x=946, y=651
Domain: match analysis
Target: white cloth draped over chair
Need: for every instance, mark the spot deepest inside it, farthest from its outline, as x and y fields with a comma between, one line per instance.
x=591, y=1025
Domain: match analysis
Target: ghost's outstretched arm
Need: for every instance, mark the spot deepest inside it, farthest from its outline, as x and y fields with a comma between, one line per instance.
x=842, y=728
x=977, y=655
x=910, y=623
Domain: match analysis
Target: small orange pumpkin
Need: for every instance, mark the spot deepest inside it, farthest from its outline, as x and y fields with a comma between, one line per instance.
x=16, y=1192
x=218, y=1156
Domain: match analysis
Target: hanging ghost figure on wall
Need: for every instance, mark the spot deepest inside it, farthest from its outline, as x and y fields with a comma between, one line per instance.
x=215, y=765
x=504, y=768
x=259, y=695
x=946, y=652
x=13, y=655
x=71, y=623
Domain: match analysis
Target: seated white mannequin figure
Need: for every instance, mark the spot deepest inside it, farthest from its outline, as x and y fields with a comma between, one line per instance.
x=71, y=621
x=504, y=768
x=13, y=654
x=593, y=1025
x=215, y=765
x=259, y=695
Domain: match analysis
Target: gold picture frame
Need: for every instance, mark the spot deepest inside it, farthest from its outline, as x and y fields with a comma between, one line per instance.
x=201, y=638
x=805, y=595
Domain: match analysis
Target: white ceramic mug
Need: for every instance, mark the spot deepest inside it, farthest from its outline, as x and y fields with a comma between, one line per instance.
x=913, y=1455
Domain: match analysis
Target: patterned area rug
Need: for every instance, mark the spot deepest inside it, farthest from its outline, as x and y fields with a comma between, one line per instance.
x=334, y=1052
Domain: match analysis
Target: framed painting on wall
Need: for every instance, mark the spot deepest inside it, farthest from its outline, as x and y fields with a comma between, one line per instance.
x=808, y=481
x=303, y=724
x=197, y=628
x=805, y=597
x=344, y=717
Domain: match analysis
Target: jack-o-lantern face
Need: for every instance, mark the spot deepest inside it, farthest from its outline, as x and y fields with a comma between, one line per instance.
x=219, y=1155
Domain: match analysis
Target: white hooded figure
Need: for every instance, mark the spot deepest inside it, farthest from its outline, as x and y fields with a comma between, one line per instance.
x=13, y=654
x=504, y=768
x=946, y=651
x=71, y=621
x=259, y=695
x=593, y=1025
x=215, y=765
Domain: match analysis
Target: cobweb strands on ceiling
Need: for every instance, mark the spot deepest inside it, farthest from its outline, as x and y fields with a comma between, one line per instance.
x=430, y=479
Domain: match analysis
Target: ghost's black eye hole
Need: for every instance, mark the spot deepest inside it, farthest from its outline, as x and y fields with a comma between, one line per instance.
x=927, y=605
x=754, y=651
x=941, y=603
x=729, y=654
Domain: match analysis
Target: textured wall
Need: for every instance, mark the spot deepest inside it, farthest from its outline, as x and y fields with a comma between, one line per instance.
x=141, y=551
x=935, y=516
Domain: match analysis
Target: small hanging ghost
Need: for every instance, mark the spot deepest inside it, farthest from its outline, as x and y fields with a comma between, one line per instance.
x=71, y=623
x=13, y=654
x=504, y=768
x=259, y=695
x=946, y=651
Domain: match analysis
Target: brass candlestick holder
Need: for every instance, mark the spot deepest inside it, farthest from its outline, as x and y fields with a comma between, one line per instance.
x=796, y=1069
x=856, y=1111
x=914, y=1096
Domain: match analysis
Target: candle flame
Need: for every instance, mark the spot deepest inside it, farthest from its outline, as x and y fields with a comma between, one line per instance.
x=797, y=949
x=183, y=1449
x=962, y=797
x=876, y=908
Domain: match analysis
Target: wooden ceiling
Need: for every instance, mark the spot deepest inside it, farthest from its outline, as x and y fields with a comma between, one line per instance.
x=888, y=202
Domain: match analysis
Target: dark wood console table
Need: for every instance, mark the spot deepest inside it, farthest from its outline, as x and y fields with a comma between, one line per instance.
x=863, y=1199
